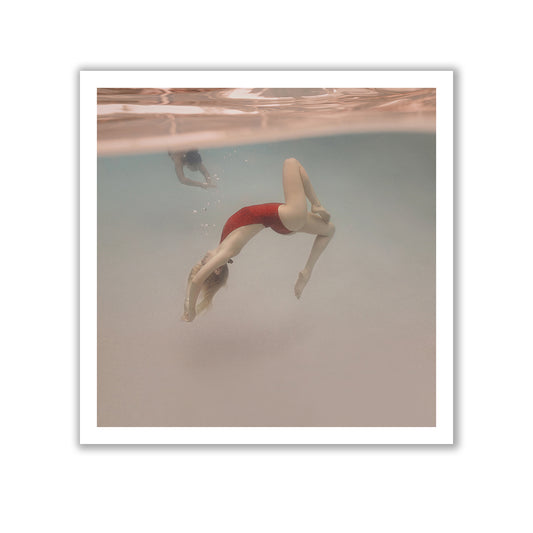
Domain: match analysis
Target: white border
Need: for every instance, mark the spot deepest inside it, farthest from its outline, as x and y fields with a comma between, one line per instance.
x=90, y=433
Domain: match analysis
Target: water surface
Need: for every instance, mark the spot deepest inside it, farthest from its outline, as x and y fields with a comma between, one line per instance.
x=150, y=119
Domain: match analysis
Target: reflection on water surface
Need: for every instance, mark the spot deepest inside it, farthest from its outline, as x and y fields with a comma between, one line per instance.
x=151, y=120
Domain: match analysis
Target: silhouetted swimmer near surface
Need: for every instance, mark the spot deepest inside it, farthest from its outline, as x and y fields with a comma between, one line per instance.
x=211, y=273
x=191, y=160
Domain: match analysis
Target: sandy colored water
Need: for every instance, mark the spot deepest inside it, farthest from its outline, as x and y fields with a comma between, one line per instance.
x=357, y=350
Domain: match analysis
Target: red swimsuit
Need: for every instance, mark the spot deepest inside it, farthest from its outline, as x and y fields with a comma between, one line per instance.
x=266, y=214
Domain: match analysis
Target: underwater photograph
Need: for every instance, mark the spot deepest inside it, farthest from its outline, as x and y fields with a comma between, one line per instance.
x=266, y=257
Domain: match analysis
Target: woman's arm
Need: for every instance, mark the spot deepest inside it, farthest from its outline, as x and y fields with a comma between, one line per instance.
x=194, y=286
x=228, y=248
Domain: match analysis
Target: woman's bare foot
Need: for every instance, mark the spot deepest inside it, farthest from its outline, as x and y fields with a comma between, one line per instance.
x=321, y=212
x=301, y=282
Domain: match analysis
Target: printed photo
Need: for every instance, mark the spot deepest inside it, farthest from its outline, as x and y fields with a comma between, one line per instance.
x=260, y=263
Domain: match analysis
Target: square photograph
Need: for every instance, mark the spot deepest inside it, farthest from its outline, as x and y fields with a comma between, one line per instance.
x=259, y=265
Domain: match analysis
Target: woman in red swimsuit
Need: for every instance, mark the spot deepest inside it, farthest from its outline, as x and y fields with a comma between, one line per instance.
x=208, y=276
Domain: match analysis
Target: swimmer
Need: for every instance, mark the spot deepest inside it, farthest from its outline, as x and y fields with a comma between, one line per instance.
x=211, y=273
x=193, y=161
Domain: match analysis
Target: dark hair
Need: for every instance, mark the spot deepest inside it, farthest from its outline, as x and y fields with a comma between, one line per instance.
x=193, y=158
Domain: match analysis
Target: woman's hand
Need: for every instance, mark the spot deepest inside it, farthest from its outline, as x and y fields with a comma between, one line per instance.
x=321, y=212
x=189, y=314
x=188, y=317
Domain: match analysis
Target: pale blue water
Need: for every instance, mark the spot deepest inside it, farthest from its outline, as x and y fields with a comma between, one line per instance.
x=357, y=350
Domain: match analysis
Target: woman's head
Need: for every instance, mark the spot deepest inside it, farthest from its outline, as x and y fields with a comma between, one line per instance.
x=215, y=281
x=193, y=159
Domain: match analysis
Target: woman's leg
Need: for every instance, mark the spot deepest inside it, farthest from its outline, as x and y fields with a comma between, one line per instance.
x=297, y=188
x=294, y=212
x=324, y=232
